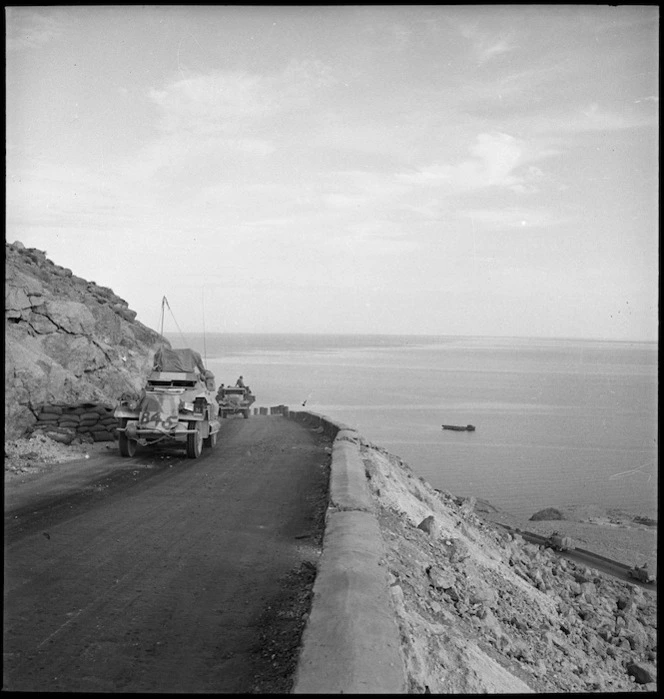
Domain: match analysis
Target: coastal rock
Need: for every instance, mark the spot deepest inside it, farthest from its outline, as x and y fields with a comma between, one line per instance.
x=482, y=594
x=455, y=549
x=440, y=579
x=430, y=526
x=549, y=513
x=67, y=340
x=643, y=673
x=467, y=505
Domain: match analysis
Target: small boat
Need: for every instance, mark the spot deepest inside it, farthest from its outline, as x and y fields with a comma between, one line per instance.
x=460, y=428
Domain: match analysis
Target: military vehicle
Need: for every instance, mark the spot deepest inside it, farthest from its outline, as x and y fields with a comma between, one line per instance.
x=641, y=573
x=177, y=407
x=235, y=400
x=560, y=543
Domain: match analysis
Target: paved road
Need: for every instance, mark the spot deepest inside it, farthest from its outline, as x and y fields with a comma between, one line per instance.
x=160, y=573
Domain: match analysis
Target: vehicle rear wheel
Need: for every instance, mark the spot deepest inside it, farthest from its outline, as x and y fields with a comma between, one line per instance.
x=211, y=441
x=194, y=441
x=127, y=446
x=246, y=414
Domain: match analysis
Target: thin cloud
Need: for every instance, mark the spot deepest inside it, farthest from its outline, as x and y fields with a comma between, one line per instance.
x=227, y=114
x=28, y=29
x=210, y=104
x=489, y=50
x=513, y=217
x=373, y=185
x=593, y=117
x=379, y=237
x=485, y=45
x=222, y=102
x=494, y=158
x=530, y=85
x=52, y=193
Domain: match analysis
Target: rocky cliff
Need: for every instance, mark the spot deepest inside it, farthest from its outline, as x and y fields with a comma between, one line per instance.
x=67, y=340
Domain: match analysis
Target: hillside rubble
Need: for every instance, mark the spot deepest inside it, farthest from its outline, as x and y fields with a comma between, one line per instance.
x=480, y=610
x=67, y=340
x=38, y=453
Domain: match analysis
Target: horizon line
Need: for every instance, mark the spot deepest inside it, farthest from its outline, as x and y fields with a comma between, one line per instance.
x=419, y=335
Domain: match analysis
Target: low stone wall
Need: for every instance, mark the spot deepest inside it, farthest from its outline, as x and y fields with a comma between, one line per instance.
x=330, y=427
x=279, y=410
x=89, y=422
x=350, y=643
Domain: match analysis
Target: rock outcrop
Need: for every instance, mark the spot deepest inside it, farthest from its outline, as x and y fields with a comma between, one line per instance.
x=548, y=513
x=67, y=340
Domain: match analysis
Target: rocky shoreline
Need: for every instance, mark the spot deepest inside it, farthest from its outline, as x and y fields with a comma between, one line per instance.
x=628, y=538
x=480, y=610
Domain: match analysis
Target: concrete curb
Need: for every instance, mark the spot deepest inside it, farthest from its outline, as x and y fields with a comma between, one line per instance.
x=348, y=482
x=351, y=641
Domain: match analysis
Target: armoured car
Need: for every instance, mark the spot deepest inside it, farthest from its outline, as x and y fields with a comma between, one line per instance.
x=177, y=407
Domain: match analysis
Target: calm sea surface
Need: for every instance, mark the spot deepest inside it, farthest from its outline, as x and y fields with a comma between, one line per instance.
x=558, y=422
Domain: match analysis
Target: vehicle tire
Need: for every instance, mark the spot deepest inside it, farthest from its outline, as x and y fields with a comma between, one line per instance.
x=246, y=414
x=127, y=446
x=194, y=441
x=211, y=441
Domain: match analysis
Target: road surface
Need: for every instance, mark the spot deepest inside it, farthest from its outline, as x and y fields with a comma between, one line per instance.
x=165, y=574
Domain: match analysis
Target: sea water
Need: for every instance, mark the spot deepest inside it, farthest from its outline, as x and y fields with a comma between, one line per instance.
x=558, y=422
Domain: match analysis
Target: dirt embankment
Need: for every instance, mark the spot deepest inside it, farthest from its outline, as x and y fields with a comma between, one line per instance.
x=481, y=610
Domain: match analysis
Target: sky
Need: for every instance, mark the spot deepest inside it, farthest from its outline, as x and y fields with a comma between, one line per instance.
x=428, y=170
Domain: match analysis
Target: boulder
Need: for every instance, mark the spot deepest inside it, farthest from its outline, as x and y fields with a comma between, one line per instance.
x=482, y=594
x=456, y=550
x=430, y=526
x=440, y=579
x=549, y=513
x=643, y=673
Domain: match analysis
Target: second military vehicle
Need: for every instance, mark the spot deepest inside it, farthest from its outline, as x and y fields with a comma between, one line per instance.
x=235, y=400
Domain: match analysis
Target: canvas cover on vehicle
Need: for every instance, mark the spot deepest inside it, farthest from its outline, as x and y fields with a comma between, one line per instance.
x=179, y=360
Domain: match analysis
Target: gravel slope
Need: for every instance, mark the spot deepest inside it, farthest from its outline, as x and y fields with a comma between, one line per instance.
x=480, y=610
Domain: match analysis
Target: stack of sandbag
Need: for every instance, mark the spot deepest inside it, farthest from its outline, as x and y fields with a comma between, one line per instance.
x=88, y=421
